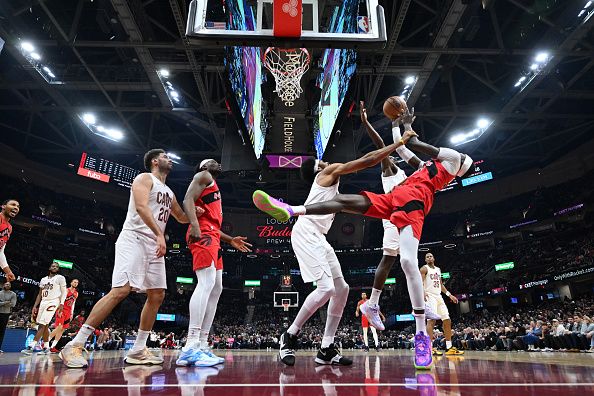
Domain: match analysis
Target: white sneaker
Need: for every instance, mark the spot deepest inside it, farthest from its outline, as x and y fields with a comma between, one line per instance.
x=72, y=356
x=371, y=312
x=144, y=356
x=208, y=351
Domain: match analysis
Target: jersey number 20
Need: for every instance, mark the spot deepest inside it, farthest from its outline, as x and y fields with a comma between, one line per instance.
x=163, y=215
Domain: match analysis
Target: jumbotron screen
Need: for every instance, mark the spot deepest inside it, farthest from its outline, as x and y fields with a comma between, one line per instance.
x=106, y=171
x=245, y=74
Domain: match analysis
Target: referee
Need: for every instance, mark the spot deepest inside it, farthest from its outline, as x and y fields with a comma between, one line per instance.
x=8, y=300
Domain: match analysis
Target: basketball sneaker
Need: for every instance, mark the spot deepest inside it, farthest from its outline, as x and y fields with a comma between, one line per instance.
x=437, y=352
x=208, y=351
x=143, y=356
x=371, y=312
x=28, y=350
x=194, y=356
x=54, y=350
x=271, y=206
x=453, y=351
x=286, y=352
x=331, y=355
x=423, y=358
x=72, y=356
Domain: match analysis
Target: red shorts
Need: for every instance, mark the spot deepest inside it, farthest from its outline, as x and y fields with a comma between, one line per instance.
x=404, y=205
x=205, y=252
x=364, y=321
x=64, y=319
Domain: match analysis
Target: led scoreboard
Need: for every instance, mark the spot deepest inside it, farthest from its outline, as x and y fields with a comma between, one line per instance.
x=106, y=171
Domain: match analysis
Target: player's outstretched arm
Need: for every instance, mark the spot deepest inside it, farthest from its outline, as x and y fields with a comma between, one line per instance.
x=375, y=138
x=368, y=160
x=200, y=181
x=408, y=156
x=414, y=143
x=238, y=242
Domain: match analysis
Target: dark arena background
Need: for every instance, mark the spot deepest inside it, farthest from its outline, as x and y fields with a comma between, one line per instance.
x=87, y=87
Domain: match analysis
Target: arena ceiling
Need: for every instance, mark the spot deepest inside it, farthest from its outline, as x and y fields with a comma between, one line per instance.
x=466, y=55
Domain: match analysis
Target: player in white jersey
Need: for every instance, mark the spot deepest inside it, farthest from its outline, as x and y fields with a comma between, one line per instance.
x=392, y=176
x=433, y=287
x=139, y=260
x=317, y=260
x=50, y=299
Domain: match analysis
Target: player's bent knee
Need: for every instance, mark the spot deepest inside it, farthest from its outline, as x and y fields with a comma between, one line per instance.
x=155, y=296
x=120, y=293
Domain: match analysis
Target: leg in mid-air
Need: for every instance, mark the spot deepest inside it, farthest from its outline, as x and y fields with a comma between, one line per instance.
x=375, y=338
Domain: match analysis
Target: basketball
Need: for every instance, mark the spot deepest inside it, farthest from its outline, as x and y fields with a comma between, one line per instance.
x=394, y=107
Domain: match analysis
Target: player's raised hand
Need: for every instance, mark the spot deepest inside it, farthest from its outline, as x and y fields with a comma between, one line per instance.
x=407, y=135
x=408, y=117
x=363, y=111
x=240, y=243
x=161, y=246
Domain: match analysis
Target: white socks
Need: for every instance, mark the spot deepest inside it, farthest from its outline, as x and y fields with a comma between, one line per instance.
x=448, y=344
x=193, y=336
x=298, y=210
x=375, y=295
x=140, y=342
x=83, y=334
x=420, y=322
x=374, y=333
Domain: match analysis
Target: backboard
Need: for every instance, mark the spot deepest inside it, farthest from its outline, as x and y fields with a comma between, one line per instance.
x=287, y=23
x=283, y=297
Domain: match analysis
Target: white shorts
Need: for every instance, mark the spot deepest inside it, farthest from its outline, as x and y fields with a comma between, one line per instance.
x=438, y=306
x=314, y=254
x=136, y=263
x=391, y=243
x=47, y=310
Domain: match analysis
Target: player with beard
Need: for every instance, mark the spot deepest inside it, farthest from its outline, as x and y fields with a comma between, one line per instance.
x=139, y=260
x=204, y=240
x=10, y=208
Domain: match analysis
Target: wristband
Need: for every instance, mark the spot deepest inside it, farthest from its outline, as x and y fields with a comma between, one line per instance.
x=448, y=293
x=402, y=141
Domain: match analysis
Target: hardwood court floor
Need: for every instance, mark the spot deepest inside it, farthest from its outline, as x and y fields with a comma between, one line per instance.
x=259, y=373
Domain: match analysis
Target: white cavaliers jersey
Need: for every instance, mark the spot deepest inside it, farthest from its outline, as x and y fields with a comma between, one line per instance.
x=388, y=183
x=319, y=194
x=51, y=287
x=159, y=203
x=432, y=283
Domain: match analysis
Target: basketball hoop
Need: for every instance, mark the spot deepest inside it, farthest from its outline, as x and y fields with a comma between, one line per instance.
x=286, y=307
x=287, y=65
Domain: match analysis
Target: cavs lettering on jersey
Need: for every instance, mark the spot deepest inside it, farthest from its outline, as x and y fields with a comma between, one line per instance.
x=5, y=231
x=433, y=281
x=159, y=202
x=50, y=287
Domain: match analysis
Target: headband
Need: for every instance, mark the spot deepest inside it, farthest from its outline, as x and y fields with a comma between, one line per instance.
x=204, y=162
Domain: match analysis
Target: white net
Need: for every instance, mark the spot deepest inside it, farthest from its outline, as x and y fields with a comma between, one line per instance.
x=287, y=66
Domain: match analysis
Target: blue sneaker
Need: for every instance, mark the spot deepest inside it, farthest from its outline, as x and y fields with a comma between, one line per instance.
x=194, y=356
x=210, y=354
x=423, y=352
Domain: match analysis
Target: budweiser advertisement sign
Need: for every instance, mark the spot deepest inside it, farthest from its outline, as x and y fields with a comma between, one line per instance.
x=275, y=232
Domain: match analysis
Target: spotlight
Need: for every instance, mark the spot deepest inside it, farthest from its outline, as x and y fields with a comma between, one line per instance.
x=174, y=156
x=35, y=56
x=27, y=46
x=89, y=118
x=541, y=57
x=164, y=72
x=520, y=81
x=482, y=123
x=409, y=80
x=174, y=93
x=533, y=66
x=588, y=4
x=114, y=133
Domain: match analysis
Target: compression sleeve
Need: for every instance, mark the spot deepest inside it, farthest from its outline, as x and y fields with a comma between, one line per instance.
x=63, y=291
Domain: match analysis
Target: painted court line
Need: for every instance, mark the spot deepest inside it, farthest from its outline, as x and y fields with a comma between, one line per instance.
x=342, y=385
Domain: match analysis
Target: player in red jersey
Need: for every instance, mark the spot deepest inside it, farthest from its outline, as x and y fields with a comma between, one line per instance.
x=63, y=319
x=365, y=324
x=10, y=208
x=204, y=240
x=406, y=207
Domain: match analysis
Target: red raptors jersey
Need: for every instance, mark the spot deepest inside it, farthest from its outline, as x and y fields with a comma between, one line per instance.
x=70, y=300
x=5, y=230
x=361, y=302
x=210, y=200
x=433, y=176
